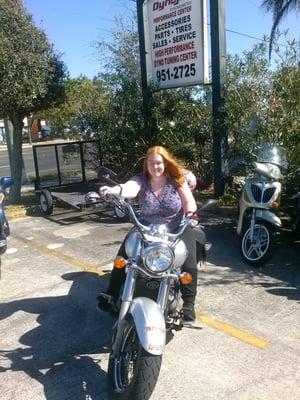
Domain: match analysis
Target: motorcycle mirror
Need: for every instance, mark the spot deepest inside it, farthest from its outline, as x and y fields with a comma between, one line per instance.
x=209, y=204
x=6, y=182
x=108, y=175
x=234, y=165
x=107, y=172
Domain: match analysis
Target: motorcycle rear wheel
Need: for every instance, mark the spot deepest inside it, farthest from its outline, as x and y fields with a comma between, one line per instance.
x=258, y=251
x=134, y=373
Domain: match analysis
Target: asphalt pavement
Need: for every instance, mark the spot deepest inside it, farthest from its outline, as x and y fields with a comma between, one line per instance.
x=55, y=343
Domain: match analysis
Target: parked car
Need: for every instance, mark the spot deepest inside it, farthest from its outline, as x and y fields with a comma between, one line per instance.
x=45, y=132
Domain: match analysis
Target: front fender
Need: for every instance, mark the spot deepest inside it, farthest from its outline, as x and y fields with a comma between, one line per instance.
x=268, y=216
x=150, y=324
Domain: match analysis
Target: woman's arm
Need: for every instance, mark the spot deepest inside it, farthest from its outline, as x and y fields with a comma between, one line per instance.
x=130, y=189
x=188, y=201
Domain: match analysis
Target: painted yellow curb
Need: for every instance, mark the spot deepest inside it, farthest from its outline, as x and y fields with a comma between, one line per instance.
x=233, y=331
x=97, y=269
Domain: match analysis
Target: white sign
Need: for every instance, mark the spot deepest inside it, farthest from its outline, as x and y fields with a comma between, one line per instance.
x=175, y=42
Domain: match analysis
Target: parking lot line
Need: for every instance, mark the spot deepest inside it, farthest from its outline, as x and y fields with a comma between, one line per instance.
x=233, y=331
x=97, y=269
x=102, y=270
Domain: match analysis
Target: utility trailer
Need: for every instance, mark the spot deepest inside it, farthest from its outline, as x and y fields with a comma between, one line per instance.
x=66, y=172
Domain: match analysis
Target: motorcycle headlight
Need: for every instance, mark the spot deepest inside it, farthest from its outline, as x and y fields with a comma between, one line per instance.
x=158, y=257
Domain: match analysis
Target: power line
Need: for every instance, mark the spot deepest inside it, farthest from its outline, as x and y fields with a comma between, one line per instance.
x=251, y=37
x=246, y=35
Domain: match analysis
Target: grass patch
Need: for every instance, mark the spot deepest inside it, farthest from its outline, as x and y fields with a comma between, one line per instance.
x=27, y=206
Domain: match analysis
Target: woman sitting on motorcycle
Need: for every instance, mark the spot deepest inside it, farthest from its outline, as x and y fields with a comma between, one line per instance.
x=164, y=197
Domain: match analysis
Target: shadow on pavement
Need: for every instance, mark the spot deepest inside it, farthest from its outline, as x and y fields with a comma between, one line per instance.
x=69, y=217
x=283, y=267
x=57, y=352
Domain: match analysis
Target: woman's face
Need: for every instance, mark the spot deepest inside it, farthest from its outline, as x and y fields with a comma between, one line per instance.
x=155, y=164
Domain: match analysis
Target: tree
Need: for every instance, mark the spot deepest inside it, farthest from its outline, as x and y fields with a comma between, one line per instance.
x=84, y=110
x=279, y=9
x=31, y=76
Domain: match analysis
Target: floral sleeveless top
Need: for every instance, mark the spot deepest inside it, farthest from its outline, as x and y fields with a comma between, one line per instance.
x=163, y=209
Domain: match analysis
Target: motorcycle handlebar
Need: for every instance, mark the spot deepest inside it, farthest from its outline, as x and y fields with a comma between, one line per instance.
x=120, y=202
x=126, y=207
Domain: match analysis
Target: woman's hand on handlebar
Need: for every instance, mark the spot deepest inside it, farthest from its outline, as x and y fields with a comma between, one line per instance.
x=105, y=190
x=192, y=217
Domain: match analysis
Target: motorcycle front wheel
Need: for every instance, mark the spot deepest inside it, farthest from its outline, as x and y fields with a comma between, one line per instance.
x=134, y=372
x=257, y=251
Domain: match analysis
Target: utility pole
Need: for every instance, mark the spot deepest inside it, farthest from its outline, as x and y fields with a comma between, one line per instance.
x=218, y=60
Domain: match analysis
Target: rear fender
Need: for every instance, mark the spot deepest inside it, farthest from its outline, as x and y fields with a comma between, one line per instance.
x=150, y=324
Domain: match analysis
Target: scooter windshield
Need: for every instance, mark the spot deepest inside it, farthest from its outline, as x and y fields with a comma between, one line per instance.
x=273, y=154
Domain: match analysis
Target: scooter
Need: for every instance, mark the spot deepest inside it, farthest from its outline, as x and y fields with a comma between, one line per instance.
x=257, y=223
x=5, y=183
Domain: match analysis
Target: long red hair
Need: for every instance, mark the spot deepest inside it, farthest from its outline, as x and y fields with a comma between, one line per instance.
x=173, y=167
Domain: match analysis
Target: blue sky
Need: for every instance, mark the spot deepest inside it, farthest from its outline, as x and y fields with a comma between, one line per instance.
x=73, y=25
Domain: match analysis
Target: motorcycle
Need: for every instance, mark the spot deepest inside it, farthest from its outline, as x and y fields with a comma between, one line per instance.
x=5, y=183
x=148, y=308
x=257, y=223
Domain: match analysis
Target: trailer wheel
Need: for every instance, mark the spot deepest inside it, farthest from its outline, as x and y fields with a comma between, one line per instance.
x=46, y=202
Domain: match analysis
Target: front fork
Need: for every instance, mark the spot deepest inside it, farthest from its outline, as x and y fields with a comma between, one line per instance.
x=252, y=223
x=163, y=293
x=127, y=297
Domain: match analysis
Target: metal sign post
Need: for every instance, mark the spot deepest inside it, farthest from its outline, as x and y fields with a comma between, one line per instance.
x=218, y=60
x=146, y=92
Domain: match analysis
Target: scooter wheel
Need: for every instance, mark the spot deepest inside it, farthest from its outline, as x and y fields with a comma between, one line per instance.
x=258, y=250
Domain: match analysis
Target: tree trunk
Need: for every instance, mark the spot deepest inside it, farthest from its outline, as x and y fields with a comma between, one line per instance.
x=9, y=131
x=16, y=158
x=29, y=123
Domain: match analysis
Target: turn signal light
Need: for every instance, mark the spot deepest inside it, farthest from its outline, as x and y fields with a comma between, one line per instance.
x=186, y=278
x=276, y=202
x=119, y=262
